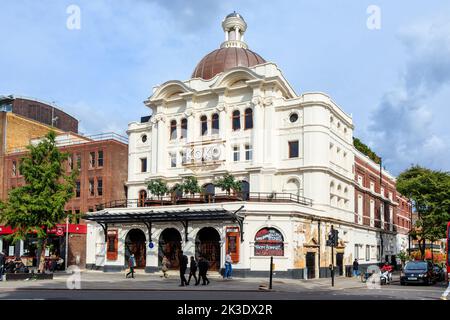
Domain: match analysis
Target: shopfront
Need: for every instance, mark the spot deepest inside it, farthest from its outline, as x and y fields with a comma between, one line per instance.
x=29, y=250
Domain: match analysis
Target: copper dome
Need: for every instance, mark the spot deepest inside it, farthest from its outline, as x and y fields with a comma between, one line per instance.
x=224, y=59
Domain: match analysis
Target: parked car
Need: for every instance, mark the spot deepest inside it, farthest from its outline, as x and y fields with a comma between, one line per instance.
x=418, y=272
x=440, y=272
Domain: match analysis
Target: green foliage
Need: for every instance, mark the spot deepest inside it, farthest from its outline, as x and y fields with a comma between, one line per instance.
x=403, y=256
x=39, y=204
x=429, y=191
x=228, y=183
x=157, y=187
x=190, y=185
x=363, y=148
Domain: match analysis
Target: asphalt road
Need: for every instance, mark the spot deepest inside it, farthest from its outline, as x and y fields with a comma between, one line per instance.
x=392, y=292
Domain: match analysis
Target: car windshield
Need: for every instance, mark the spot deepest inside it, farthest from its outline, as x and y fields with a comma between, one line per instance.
x=416, y=266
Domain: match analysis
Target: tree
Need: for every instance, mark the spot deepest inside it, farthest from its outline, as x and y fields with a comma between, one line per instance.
x=429, y=192
x=190, y=185
x=158, y=188
x=363, y=148
x=228, y=183
x=39, y=204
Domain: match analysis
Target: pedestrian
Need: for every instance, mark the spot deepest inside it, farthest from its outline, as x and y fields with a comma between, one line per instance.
x=192, y=270
x=203, y=266
x=2, y=264
x=165, y=267
x=183, y=260
x=447, y=291
x=355, y=268
x=132, y=265
x=228, y=266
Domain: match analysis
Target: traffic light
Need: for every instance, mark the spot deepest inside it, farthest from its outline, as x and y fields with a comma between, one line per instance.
x=335, y=237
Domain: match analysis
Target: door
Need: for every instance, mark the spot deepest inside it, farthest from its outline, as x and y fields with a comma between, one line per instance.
x=311, y=265
x=340, y=264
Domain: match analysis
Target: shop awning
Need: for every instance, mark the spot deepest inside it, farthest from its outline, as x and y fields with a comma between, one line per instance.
x=139, y=215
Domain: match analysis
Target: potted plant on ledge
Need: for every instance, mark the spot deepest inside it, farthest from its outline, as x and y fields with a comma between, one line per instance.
x=228, y=183
x=158, y=188
x=190, y=187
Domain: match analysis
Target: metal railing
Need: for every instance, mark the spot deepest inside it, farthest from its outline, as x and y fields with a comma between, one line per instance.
x=207, y=198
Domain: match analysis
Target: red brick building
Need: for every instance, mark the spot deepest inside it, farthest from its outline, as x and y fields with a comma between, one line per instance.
x=102, y=161
x=379, y=205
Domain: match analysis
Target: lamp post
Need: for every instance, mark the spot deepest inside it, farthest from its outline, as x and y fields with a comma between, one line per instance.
x=67, y=241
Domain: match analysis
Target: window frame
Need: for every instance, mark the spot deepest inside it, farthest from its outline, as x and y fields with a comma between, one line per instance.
x=248, y=119
x=236, y=116
x=248, y=152
x=203, y=125
x=184, y=128
x=290, y=149
x=173, y=130
x=236, y=153
x=100, y=187
x=144, y=167
x=215, y=123
x=100, y=160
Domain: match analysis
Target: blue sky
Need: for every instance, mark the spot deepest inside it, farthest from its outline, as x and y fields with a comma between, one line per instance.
x=395, y=81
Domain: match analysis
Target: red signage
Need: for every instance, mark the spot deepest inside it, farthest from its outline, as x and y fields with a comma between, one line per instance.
x=59, y=231
x=269, y=242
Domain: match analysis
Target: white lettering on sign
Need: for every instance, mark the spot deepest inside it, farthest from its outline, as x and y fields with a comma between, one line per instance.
x=203, y=153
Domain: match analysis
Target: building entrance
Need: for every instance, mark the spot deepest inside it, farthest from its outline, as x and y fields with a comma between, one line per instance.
x=207, y=244
x=135, y=243
x=170, y=246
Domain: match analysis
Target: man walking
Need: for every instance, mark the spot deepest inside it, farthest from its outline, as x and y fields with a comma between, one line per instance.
x=355, y=268
x=192, y=270
x=131, y=264
x=183, y=259
x=203, y=266
x=2, y=264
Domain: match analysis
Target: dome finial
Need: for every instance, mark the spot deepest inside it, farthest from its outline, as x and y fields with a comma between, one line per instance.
x=234, y=27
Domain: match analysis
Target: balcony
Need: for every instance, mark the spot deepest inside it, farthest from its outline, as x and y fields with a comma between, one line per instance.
x=205, y=198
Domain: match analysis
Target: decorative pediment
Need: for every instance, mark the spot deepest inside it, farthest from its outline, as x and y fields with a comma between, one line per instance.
x=312, y=243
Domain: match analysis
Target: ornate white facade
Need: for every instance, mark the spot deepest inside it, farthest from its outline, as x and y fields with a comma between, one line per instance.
x=298, y=147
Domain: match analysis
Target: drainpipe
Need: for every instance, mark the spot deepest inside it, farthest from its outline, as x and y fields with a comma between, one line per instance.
x=318, y=255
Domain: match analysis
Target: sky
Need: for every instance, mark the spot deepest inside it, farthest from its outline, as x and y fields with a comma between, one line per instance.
x=393, y=79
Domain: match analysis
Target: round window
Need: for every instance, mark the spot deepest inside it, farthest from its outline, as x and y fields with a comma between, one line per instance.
x=293, y=117
x=144, y=138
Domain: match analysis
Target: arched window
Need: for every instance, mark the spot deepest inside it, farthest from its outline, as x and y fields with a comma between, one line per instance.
x=269, y=242
x=236, y=120
x=248, y=118
x=173, y=129
x=184, y=128
x=215, y=123
x=142, y=198
x=204, y=125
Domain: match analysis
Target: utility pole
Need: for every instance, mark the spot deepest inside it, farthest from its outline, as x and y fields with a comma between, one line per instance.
x=271, y=273
x=67, y=241
x=332, y=242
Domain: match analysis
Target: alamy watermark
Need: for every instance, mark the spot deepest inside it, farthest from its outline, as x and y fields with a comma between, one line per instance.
x=74, y=280
x=374, y=19
x=73, y=21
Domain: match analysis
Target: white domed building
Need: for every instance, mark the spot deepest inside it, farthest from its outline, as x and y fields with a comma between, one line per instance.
x=292, y=155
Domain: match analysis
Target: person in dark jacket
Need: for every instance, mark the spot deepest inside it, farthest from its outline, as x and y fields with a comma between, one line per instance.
x=131, y=265
x=192, y=270
x=183, y=259
x=355, y=268
x=203, y=266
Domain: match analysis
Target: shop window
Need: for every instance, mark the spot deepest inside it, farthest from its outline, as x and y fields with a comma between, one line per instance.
x=184, y=128
x=100, y=159
x=248, y=115
x=112, y=245
x=293, y=149
x=236, y=123
x=269, y=242
x=99, y=187
x=215, y=123
x=204, y=125
x=173, y=130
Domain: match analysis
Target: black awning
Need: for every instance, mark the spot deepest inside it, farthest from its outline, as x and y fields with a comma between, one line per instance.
x=105, y=217
x=161, y=215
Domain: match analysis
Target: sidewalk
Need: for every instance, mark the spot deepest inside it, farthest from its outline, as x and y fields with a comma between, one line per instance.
x=98, y=280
